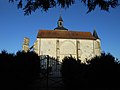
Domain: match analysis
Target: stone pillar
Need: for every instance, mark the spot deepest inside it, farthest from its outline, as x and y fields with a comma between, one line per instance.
x=25, y=46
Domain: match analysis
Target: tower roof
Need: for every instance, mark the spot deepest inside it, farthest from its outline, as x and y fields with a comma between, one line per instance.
x=95, y=34
x=60, y=18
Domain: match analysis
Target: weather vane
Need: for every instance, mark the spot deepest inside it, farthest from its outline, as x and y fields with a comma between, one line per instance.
x=60, y=11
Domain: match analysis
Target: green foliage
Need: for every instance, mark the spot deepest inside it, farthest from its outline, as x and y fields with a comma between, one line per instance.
x=30, y=6
x=71, y=70
x=106, y=70
x=103, y=4
x=69, y=66
x=18, y=71
x=100, y=72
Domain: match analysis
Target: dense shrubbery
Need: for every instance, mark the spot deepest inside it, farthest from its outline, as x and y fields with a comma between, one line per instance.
x=100, y=72
x=18, y=71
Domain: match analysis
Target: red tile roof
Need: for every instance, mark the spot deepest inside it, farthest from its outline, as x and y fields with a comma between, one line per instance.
x=64, y=34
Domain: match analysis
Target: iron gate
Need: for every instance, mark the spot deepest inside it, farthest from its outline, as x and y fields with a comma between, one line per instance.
x=50, y=72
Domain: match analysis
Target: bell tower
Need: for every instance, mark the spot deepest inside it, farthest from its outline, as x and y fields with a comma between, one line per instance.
x=60, y=24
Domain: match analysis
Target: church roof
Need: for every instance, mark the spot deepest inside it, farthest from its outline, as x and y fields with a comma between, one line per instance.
x=65, y=34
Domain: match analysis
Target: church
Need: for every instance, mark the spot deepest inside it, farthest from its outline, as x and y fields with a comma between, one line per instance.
x=61, y=42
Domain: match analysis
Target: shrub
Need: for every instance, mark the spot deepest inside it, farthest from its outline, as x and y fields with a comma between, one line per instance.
x=100, y=72
x=18, y=71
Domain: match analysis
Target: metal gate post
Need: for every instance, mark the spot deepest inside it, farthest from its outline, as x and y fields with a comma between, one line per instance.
x=47, y=70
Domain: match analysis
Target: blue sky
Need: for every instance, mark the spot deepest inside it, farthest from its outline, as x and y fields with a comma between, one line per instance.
x=14, y=26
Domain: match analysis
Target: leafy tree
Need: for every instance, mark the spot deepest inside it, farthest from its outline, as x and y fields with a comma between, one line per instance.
x=27, y=68
x=105, y=71
x=30, y=6
x=100, y=72
x=6, y=70
x=19, y=70
x=71, y=71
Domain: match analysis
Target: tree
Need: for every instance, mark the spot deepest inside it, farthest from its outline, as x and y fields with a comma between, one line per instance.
x=72, y=71
x=30, y=6
x=18, y=71
x=99, y=72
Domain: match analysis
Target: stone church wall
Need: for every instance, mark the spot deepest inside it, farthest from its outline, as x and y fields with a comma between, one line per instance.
x=48, y=47
x=78, y=48
x=86, y=49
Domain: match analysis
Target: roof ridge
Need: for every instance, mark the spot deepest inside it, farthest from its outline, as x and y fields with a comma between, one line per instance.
x=64, y=30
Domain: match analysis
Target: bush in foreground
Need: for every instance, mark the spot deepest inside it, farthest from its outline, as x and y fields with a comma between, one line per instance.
x=18, y=71
x=99, y=72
